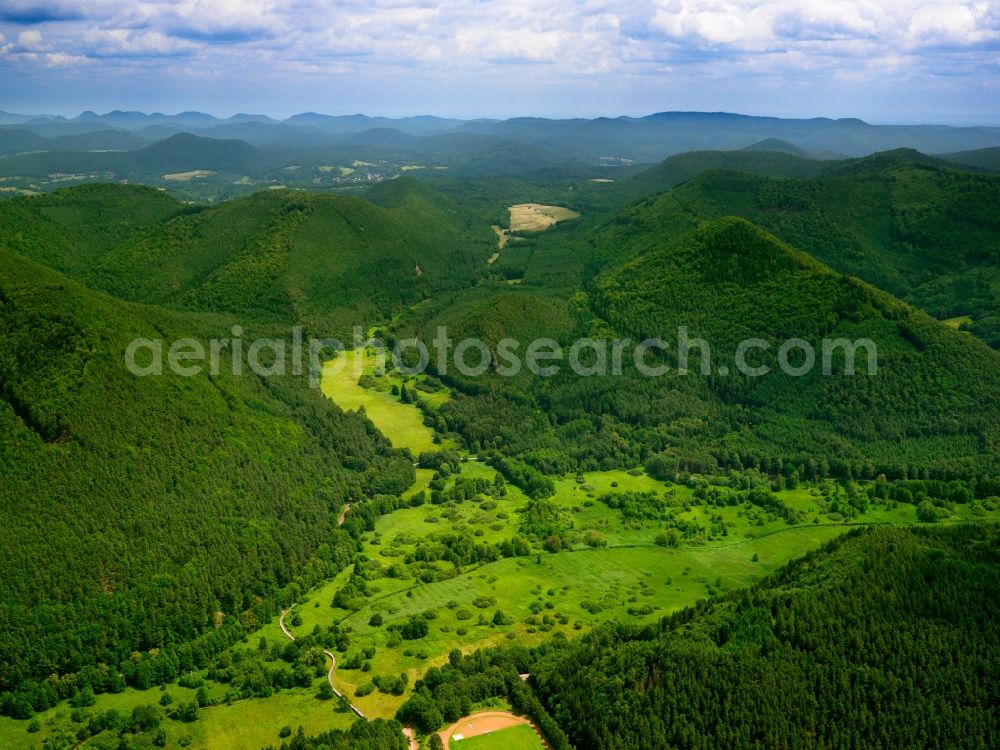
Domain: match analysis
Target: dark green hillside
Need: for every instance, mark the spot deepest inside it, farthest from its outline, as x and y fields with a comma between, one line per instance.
x=931, y=407
x=183, y=152
x=328, y=261
x=682, y=167
x=928, y=235
x=140, y=513
x=985, y=158
x=778, y=145
x=730, y=281
x=71, y=230
x=886, y=638
x=492, y=313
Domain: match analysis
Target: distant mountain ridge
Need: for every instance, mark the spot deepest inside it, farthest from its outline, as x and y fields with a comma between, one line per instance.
x=649, y=138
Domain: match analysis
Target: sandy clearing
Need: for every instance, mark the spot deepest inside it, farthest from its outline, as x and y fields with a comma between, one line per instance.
x=185, y=176
x=534, y=217
x=502, y=236
x=484, y=723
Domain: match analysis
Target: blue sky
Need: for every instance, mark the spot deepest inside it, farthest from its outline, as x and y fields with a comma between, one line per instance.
x=882, y=60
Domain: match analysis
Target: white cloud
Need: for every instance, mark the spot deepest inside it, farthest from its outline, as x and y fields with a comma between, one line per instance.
x=612, y=40
x=29, y=40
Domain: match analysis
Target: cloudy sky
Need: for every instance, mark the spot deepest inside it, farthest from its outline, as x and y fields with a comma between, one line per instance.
x=883, y=60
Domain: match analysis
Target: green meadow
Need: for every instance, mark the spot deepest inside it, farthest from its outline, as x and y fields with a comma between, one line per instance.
x=249, y=723
x=513, y=738
x=404, y=427
x=617, y=571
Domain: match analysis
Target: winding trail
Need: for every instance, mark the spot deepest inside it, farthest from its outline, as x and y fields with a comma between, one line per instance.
x=407, y=731
x=333, y=664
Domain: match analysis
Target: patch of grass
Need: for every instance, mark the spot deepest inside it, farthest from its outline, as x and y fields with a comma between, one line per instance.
x=255, y=723
x=518, y=737
x=535, y=217
x=248, y=723
x=958, y=321
x=575, y=590
x=402, y=423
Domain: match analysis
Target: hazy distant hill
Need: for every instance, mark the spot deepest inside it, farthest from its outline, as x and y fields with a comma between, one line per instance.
x=178, y=153
x=656, y=136
x=646, y=139
x=18, y=140
x=986, y=158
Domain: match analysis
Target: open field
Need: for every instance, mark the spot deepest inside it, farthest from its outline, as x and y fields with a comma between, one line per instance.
x=512, y=738
x=250, y=723
x=186, y=176
x=404, y=426
x=535, y=217
x=492, y=730
x=626, y=577
x=958, y=321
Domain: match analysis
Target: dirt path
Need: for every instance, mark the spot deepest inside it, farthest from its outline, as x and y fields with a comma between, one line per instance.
x=485, y=723
x=329, y=654
x=281, y=624
x=343, y=514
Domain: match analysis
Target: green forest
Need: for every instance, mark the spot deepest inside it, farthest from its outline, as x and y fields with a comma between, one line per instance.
x=705, y=558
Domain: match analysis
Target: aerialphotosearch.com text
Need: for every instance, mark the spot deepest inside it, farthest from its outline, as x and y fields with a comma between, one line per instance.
x=473, y=357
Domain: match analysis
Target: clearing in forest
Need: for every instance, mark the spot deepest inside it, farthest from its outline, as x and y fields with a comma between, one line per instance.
x=402, y=423
x=958, y=321
x=502, y=236
x=535, y=217
x=187, y=176
x=492, y=730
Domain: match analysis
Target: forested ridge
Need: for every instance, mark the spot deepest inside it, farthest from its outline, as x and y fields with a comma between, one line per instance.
x=140, y=513
x=886, y=638
x=329, y=262
x=929, y=410
x=912, y=226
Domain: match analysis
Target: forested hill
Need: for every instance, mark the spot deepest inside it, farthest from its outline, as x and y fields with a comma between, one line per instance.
x=929, y=409
x=328, y=261
x=138, y=513
x=886, y=638
x=926, y=233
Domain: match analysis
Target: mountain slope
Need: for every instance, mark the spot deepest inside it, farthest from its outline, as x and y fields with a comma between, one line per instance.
x=986, y=158
x=184, y=152
x=777, y=145
x=181, y=152
x=849, y=646
x=927, y=234
x=768, y=163
x=138, y=513
x=928, y=408
x=729, y=282
x=330, y=261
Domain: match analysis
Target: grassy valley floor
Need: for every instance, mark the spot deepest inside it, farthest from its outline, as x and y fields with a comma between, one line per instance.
x=622, y=574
